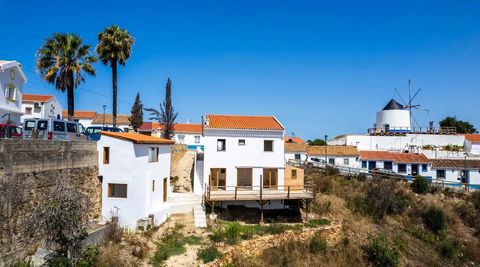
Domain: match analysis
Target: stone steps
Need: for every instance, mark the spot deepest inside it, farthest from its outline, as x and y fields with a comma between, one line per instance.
x=200, y=217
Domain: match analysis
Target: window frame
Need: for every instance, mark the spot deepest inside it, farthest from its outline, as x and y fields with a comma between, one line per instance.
x=150, y=154
x=294, y=174
x=364, y=164
x=390, y=163
x=28, y=110
x=346, y=161
x=424, y=167
x=441, y=171
x=331, y=161
x=265, y=147
x=197, y=139
x=402, y=164
x=111, y=190
x=224, y=148
x=242, y=142
x=106, y=155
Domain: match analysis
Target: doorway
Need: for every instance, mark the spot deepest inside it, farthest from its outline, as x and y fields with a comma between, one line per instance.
x=244, y=178
x=414, y=169
x=218, y=178
x=165, y=189
x=270, y=178
x=372, y=165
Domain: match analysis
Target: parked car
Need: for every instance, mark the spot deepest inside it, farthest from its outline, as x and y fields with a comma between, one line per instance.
x=315, y=162
x=53, y=129
x=10, y=131
x=93, y=132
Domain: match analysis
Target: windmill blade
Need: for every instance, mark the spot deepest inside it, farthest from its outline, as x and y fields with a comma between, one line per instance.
x=422, y=109
x=401, y=98
x=414, y=119
x=418, y=91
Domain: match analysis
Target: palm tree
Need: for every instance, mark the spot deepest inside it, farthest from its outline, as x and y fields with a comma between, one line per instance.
x=63, y=60
x=114, y=46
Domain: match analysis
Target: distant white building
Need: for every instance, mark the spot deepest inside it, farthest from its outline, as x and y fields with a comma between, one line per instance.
x=135, y=171
x=40, y=107
x=457, y=171
x=345, y=156
x=189, y=134
x=106, y=120
x=472, y=144
x=407, y=164
x=12, y=80
x=85, y=117
x=295, y=152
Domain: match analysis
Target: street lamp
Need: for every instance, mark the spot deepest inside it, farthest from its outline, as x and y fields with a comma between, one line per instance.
x=104, y=107
x=326, y=149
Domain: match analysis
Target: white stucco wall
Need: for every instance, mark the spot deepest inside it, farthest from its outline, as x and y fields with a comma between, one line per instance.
x=251, y=155
x=188, y=139
x=11, y=106
x=370, y=142
x=453, y=175
x=291, y=156
x=49, y=109
x=471, y=147
x=129, y=165
x=380, y=164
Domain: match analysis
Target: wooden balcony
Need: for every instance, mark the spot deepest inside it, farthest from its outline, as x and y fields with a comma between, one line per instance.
x=258, y=193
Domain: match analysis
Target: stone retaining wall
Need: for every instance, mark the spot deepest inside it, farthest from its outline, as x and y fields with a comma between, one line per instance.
x=30, y=170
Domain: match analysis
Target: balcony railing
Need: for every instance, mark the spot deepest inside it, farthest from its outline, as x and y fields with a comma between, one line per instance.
x=234, y=193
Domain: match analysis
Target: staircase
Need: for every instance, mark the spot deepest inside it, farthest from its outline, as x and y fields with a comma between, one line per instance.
x=200, y=217
x=186, y=202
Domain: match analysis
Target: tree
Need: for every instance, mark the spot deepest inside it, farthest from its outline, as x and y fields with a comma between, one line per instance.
x=136, y=119
x=167, y=114
x=63, y=60
x=462, y=126
x=64, y=219
x=114, y=47
x=316, y=142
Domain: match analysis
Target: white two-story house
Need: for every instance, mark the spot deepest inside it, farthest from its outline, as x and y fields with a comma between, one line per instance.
x=189, y=134
x=12, y=80
x=135, y=173
x=40, y=107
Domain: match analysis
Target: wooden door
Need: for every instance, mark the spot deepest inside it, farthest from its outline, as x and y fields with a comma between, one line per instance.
x=165, y=189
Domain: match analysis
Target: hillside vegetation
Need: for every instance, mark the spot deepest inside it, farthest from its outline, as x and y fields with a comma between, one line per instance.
x=383, y=223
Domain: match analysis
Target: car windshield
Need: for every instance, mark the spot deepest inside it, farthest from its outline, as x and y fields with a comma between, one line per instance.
x=93, y=130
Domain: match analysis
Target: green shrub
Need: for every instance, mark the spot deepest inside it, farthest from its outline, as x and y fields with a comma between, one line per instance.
x=209, y=254
x=89, y=257
x=275, y=228
x=217, y=235
x=434, y=219
x=317, y=244
x=24, y=263
x=381, y=253
x=59, y=260
x=420, y=185
x=382, y=198
x=232, y=233
x=317, y=222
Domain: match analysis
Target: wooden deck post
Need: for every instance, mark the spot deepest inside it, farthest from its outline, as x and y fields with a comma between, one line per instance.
x=236, y=189
x=288, y=195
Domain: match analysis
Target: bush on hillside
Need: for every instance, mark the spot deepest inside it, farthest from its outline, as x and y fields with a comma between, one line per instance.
x=317, y=244
x=381, y=253
x=434, y=218
x=382, y=198
x=209, y=254
x=420, y=185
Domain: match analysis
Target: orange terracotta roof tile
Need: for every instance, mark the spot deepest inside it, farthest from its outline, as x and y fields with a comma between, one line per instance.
x=121, y=119
x=294, y=139
x=455, y=163
x=138, y=138
x=394, y=156
x=178, y=128
x=332, y=150
x=36, y=98
x=295, y=147
x=80, y=114
x=475, y=138
x=243, y=122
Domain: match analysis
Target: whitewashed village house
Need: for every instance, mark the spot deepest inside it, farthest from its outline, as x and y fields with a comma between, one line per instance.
x=106, y=120
x=295, y=152
x=12, y=80
x=85, y=117
x=135, y=171
x=244, y=163
x=345, y=156
x=472, y=144
x=37, y=106
x=189, y=134
x=408, y=164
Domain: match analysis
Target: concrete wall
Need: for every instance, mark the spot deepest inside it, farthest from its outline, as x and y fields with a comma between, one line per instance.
x=30, y=170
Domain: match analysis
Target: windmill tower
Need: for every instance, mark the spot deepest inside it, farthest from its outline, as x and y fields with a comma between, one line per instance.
x=396, y=117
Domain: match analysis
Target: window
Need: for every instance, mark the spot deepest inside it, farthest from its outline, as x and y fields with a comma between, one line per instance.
x=440, y=174
x=364, y=164
x=331, y=161
x=29, y=125
x=424, y=167
x=197, y=139
x=153, y=154
x=71, y=127
x=59, y=126
x=268, y=145
x=346, y=162
x=294, y=174
x=153, y=185
x=37, y=108
x=388, y=165
x=11, y=92
x=42, y=125
x=106, y=155
x=117, y=190
x=181, y=138
x=28, y=111
x=221, y=145
x=402, y=168
x=241, y=142
x=298, y=156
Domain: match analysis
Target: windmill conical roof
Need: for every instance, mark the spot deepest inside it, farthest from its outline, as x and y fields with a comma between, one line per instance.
x=393, y=105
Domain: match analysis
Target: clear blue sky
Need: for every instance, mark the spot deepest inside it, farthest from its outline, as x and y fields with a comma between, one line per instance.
x=320, y=67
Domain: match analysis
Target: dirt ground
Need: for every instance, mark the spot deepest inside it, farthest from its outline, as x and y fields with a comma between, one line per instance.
x=183, y=169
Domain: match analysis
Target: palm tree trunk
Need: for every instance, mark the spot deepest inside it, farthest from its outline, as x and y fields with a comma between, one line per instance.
x=114, y=82
x=71, y=107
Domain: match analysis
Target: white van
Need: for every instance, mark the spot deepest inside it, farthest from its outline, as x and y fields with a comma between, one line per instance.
x=53, y=129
